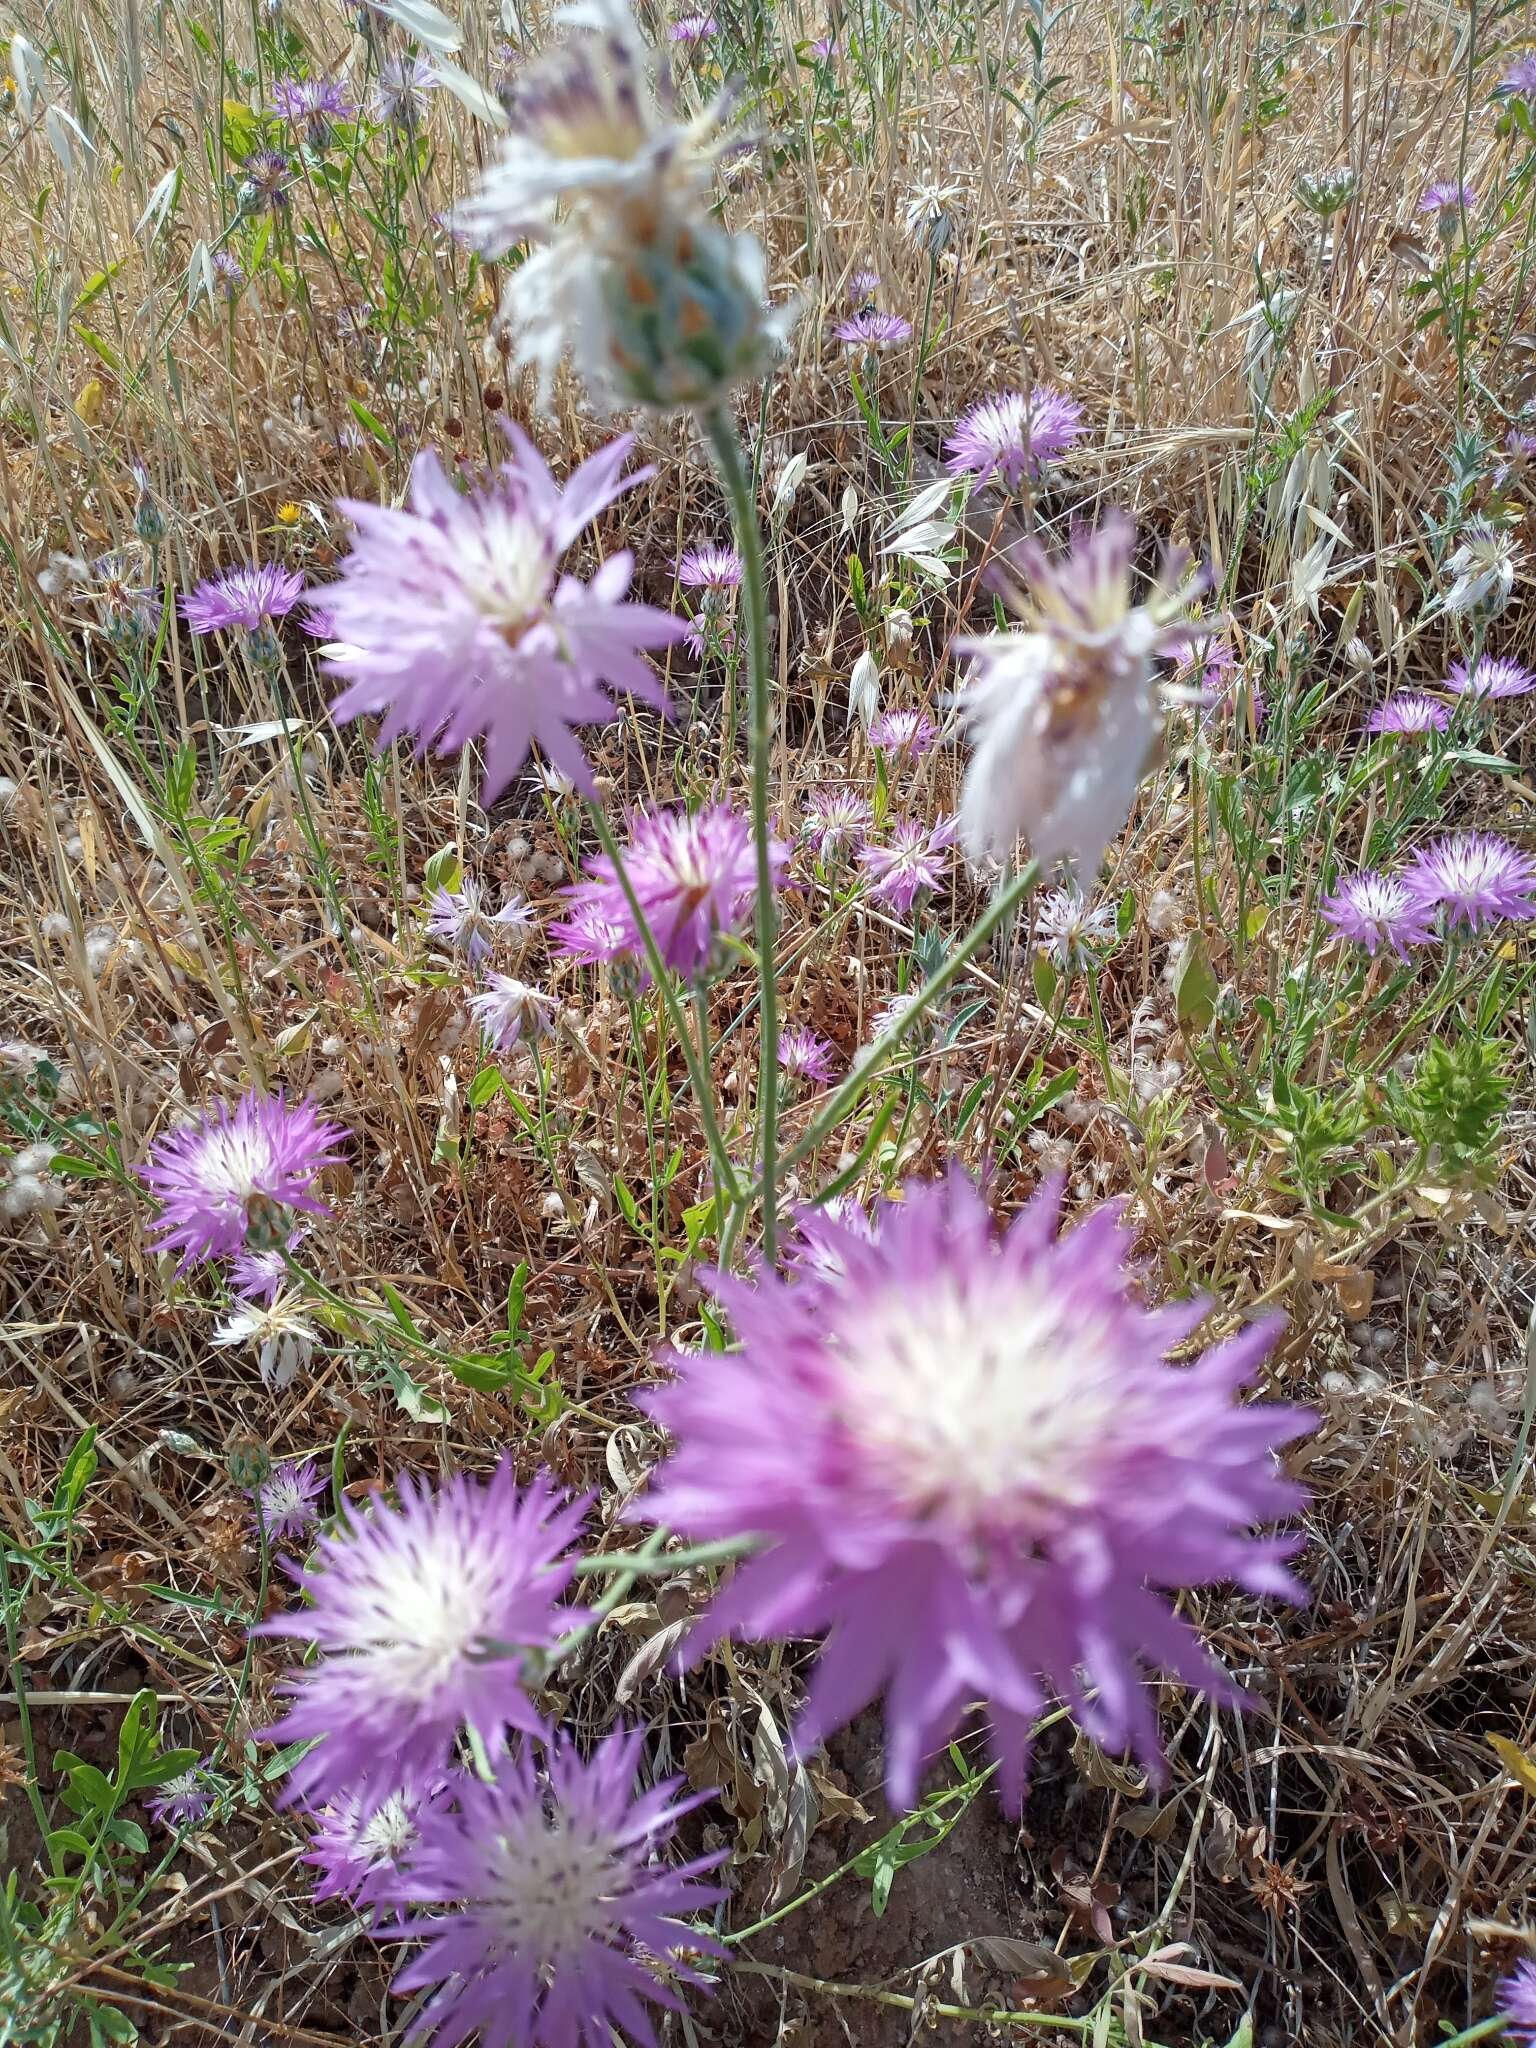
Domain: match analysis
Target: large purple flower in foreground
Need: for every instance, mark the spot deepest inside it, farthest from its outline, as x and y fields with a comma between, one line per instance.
x=970, y=1461
x=693, y=877
x=361, y=1840
x=454, y=621
x=1495, y=675
x=562, y=1913
x=1013, y=434
x=1517, y=1992
x=424, y=1615
x=1473, y=879
x=244, y=598
x=1377, y=910
x=233, y=1172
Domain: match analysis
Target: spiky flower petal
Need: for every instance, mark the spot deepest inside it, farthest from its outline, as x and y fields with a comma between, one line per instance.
x=362, y=1840
x=425, y=1616
x=836, y=818
x=1377, y=910
x=1473, y=879
x=903, y=732
x=1516, y=1994
x=247, y=598
x=460, y=917
x=870, y=328
x=970, y=1461
x=916, y=857
x=805, y=1056
x=1493, y=675
x=709, y=568
x=1014, y=434
x=1410, y=711
x=187, y=1798
x=509, y=1011
x=1074, y=932
x=231, y=1170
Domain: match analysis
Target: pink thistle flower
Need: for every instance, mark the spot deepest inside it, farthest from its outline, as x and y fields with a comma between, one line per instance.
x=836, y=817
x=1474, y=878
x=1410, y=711
x=805, y=1057
x=863, y=285
x=1495, y=675
x=1377, y=910
x=459, y=917
x=261, y=1276
x=870, y=328
x=1448, y=201
x=826, y=46
x=426, y=1616
x=219, y=1177
x=813, y=1251
x=1066, y=716
x=693, y=876
x=229, y=270
x=265, y=177
x=1013, y=434
x=1516, y=1994
x=903, y=732
x=184, y=1800
x=917, y=858
x=361, y=1843
x=693, y=28
x=401, y=90
x=247, y=598
x=313, y=104
x=562, y=1908
x=509, y=1012
x=285, y=1499
x=1519, y=81
x=709, y=568
x=454, y=621
x=970, y=1461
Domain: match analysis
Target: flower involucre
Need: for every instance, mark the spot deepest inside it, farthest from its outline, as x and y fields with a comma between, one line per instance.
x=970, y=1462
x=452, y=618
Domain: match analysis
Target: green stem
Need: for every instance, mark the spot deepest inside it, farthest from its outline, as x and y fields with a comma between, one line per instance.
x=737, y=483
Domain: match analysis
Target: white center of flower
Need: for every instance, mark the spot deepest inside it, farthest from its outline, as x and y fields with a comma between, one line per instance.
x=547, y=1890
x=236, y=1158
x=425, y=1613
x=505, y=562
x=386, y=1835
x=991, y=1403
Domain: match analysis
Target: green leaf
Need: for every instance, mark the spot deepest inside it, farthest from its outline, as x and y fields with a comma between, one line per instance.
x=517, y=1288
x=1046, y=980
x=1195, y=988
x=112, y=2025
x=129, y=1833
x=375, y=427
x=98, y=347
x=95, y=1787
x=95, y=285
x=79, y=1470
x=401, y=1313
x=74, y=1167
x=485, y=1084
x=64, y=1842
x=156, y=1769
x=414, y=1399
x=136, y=1737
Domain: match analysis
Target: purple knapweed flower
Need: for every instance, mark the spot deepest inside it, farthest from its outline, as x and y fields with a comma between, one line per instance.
x=903, y=732
x=401, y=88
x=693, y=28
x=1066, y=716
x=361, y=1841
x=425, y=1615
x=262, y=1275
x=459, y=917
x=1473, y=879
x=836, y=819
x=456, y=622
x=313, y=104
x=916, y=858
x=1519, y=81
x=804, y=1056
x=1494, y=675
x=561, y=1908
x=826, y=46
x=1448, y=201
x=1516, y=1993
x=247, y=599
x=285, y=1499
x=693, y=876
x=1072, y=931
x=1377, y=910
x=228, y=269
x=221, y=1178
x=870, y=328
x=184, y=1800
x=1013, y=433
x=709, y=568
x=1410, y=711
x=863, y=285
x=970, y=1462
x=511, y=1013
x=812, y=1247
x=264, y=180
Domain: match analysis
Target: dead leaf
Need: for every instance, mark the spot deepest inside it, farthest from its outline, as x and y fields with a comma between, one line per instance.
x=1160, y=1964
x=647, y=1661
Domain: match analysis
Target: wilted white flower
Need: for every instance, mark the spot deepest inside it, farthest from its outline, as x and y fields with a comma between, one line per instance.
x=277, y=1333
x=1065, y=716
x=1072, y=931
x=1482, y=570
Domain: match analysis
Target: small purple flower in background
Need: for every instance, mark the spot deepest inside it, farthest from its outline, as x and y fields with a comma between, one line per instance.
x=903, y=732
x=1495, y=675
x=836, y=819
x=805, y=1057
x=285, y=1499
x=1073, y=933
x=1448, y=201
x=968, y=1457
x=863, y=285
x=561, y=1906
x=219, y=1177
x=264, y=180
x=826, y=46
x=314, y=105
x=1410, y=711
x=1519, y=453
x=693, y=28
x=870, y=328
x=916, y=858
x=262, y=1276
x=693, y=877
x=1208, y=661
x=511, y=1013
x=360, y=1842
x=401, y=89
x=1519, y=81
x=424, y=1614
x=186, y=1799
x=1013, y=433
x=460, y=917
x=813, y=1249
x=456, y=621
x=709, y=568
x=247, y=599
x=1377, y=910
x=1516, y=1993
x=228, y=270
x=1474, y=878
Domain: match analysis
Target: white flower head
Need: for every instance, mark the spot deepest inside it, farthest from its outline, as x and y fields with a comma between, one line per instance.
x=1482, y=570
x=277, y=1332
x=1066, y=716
